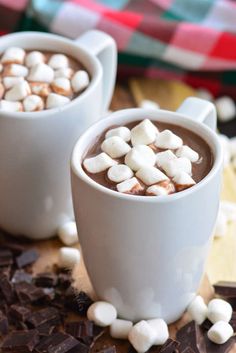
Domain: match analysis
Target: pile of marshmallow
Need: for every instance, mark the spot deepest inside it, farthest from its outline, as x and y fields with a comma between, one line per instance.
x=145, y=170
x=29, y=83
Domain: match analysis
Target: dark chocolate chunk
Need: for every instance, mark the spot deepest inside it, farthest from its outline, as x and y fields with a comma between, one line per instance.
x=6, y=258
x=225, y=288
x=111, y=349
x=170, y=346
x=18, y=312
x=21, y=276
x=5, y=271
x=232, y=302
x=45, y=280
x=20, y=341
x=27, y=258
x=28, y=293
x=80, y=329
x=206, y=325
x=191, y=336
x=7, y=289
x=3, y=324
x=56, y=343
x=64, y=280
x=80, y=348
x=46, y=315
x=219, y=348
x=46, y=330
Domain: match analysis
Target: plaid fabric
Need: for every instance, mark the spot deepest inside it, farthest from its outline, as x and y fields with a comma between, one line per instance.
x=189, y=40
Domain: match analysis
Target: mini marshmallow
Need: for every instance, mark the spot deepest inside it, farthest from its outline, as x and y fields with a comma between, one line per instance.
x=40, y=88
x=98, y=163
x=16, y=70
x=142, y=336
x=129, y=186
x=68, y=257
x=115, y=147
x=175, y=166
x=156, y=190
x=68, y=234
x=205, y=94
x=197, y=310
x=161, y=329
x=66, y=72
x=225, y=144
x=13, y=55
x=62, y=86
x=56, y=100
x=119, y=173
x=11, y=106
x=186, y=151
x=150, y=175
x=163, y=157
x=33, y=103
x=167, y=140
x=58, y=61
x=33, y=58
x=122, y=131
x=120, y=329
x=226, y=109
x=102, y=313
x=41, y=73
x=80, y=81
x=220, y=332
x=140, y=156
x=221, y=225
x=183, y=181
x=219, y=310
x=148, y=104
x=18, y=92
x=144, y=133
x=10, y=81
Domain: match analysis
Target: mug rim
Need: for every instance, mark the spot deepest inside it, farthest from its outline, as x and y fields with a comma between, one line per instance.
x=131, y=115
x=94, y=79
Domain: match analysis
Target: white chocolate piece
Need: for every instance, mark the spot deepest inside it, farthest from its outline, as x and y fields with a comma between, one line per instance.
x=56, y=100
x=119, y=173
x=13, y=55
x=163, y=157
x=115, y=147
x=18, y=92
x=129, y=186
x=68, y=257
x=41, y=73
x=168, y=140
x=62, y=86
x=226, y=109
x=58, y=61
x=102, y=313
x=10, y=106
x=220, y=332
x=142, y=336
x=10, y=81
x=80, y=81
x=33, y=58
x=120, y=329
x=33, y=103
x=98, y=163
x=16, y=70
x=148, y=104
x=140, y=156
x=122, y=131
x=197, y=310
x=221, y=225
x=66, y=72
x=161, y=329
x=175, y=166
x=150, y=175
x=68, y=234
x=144, y=133
x=188, y=152
x=219, y=310
x=40, y=88
x=205, y=94
x=183, y=179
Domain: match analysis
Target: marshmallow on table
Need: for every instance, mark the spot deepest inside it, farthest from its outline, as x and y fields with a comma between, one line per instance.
x=11, y=106
x=119, y=173
x=18, y=92
x=183, y=181
x=122, y=132
x=13, y=55
x=129, y=186
x=79, y=81
x=56, y=100
x=150, y=175
x=16, y=70
x=33, y=58
x=10, y=81
x=102, y=313
x=68, y=257
x=220, y=332
x=197, y=310
x=175, y=166
x=144, y=133
x=188, y=152
x=148, y=104
x=221, y=224
x=40, y=88
x=33, y=103
x=41, y=73
x=67, y=233
x=142, y=336
x=163, y=157
x=61, y=85
x=140, y=156
x=219, y=310
x=115, y=147
x=58, y=61
x=120, y=328
x=226, y=109
x=98, y=163
x=168, y=140
x=161, y=329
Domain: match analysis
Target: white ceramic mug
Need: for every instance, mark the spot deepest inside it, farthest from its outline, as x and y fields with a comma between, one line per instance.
x=35, y=148
x=146, y=254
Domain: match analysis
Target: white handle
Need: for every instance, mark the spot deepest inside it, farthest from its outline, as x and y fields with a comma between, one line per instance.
x=199, y=110
x=103, y=46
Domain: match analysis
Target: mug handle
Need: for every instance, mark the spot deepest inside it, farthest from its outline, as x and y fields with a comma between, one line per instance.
x=104, y=48
x=199, y=110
